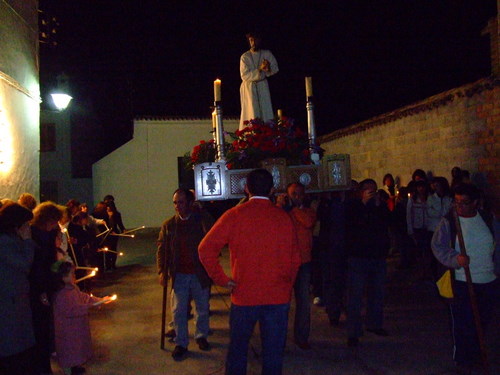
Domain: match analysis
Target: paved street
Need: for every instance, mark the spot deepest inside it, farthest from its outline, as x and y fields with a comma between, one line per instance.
x=126, y=334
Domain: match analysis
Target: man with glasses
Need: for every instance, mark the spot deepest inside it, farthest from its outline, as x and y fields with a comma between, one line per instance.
x=479, y=243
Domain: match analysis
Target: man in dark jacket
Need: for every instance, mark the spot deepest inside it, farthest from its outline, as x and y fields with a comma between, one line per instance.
x=177, y=258
x=367, y=219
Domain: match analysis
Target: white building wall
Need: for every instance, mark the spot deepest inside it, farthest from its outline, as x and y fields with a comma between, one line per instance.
x=19, y=99
x=142, y=174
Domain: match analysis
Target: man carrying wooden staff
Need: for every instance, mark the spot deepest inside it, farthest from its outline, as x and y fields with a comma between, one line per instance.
x=177, y=260
x=476, y=288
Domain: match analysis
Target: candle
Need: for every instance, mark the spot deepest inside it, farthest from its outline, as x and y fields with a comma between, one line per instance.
x=133, y=230
x=106, y=300
x=92, y=274
x=280, y=114
x=309, y=87
x=217, y=90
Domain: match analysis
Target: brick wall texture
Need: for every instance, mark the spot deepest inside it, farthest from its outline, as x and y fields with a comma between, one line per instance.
x=460, y=127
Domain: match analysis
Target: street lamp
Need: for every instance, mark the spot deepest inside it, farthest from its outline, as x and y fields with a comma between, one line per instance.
x=61, y=101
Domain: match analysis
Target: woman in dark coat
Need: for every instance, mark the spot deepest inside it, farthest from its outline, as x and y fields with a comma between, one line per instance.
x=115, y=223
x=17, y=338
x=44, y=228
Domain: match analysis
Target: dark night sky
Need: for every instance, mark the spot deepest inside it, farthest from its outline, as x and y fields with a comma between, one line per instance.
x=129, y=58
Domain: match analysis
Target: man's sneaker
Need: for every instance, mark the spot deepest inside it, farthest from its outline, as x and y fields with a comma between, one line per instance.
x=179, y=352
x=203, y=343
x=317, y=301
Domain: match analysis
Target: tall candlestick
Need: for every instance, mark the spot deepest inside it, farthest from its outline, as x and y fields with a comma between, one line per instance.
x=214, y=125
x=219, y=134
x=217, y=90
x=309, y=87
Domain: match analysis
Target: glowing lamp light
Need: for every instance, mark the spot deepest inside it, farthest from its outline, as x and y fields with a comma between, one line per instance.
x=61, y=101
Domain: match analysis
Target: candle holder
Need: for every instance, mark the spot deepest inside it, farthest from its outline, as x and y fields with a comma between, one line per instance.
x=311, y=131
x=219, y=133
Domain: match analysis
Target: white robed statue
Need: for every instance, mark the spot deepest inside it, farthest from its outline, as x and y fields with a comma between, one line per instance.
x=255, y=66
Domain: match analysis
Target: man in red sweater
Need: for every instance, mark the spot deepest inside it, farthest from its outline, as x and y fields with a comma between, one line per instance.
x=264, y=261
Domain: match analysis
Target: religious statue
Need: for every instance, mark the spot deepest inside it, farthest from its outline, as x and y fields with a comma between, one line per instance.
x=255, y=66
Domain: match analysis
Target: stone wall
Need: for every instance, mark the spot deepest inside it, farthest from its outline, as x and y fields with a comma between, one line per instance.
x=460, y=127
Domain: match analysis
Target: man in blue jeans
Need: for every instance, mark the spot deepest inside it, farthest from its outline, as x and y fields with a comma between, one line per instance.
x=367, y=219
x=177, y=258
x=264, y=261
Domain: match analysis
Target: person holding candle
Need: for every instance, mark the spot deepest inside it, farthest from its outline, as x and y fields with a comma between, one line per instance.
x=44, y=229
x=256, y=65
x=71, y=320
x=177, y=258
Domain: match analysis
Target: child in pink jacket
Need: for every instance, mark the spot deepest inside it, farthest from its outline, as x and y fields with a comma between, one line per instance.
x=71, y=320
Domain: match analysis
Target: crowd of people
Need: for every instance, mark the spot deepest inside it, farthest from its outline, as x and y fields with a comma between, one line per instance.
x=335, y=244
x=46, y=249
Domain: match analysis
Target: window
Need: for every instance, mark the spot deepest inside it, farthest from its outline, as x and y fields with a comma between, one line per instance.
x=47, y=137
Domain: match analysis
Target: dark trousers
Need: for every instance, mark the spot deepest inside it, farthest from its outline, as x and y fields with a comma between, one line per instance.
x=334, y=286
x=317, y=271
x=302, y=320
x=43, y=328
x=466, y=349
x=369, y=273
x=273, y=323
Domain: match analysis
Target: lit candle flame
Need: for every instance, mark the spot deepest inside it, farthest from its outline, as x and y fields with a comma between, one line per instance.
x=121, y=254
x=113, y=297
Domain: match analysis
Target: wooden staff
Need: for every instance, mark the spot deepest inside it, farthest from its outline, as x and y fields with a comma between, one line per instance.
x=163, y=317
x=473, y=299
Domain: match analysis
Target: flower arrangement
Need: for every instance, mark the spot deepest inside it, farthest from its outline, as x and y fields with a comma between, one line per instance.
x=256, y=142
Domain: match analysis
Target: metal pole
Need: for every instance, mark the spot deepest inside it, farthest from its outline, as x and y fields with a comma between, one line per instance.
x=473, y=299
x=311, y=131
x=219, y=130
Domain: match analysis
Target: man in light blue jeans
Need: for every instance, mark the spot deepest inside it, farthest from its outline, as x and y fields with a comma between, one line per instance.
x=177, y=258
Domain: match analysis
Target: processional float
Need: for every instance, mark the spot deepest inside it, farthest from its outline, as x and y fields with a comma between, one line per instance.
x=214, y=181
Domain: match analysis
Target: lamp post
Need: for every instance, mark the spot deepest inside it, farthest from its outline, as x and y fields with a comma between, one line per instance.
x=61, y=101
